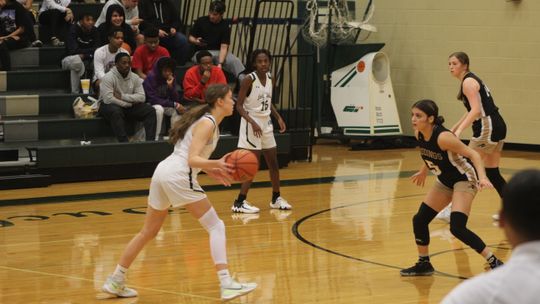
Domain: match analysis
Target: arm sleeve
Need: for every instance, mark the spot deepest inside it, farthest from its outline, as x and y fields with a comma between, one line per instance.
x=192, y=85
x=71, y=42
x=226, y=34
x=99, y=69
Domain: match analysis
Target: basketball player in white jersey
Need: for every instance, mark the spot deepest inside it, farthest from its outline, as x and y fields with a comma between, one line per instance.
x=174, y=183
x=256, y=129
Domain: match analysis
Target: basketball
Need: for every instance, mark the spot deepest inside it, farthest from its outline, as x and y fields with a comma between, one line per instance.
x=245, y=164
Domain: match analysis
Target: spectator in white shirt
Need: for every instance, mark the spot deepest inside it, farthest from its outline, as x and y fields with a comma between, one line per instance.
x=517, y=280
x=104, y=56
x=56, y=15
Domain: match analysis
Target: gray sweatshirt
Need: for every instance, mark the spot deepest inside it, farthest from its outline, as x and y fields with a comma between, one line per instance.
x=130, y=89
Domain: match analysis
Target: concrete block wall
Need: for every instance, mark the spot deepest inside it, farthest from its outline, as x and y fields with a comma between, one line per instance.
x=501, y=37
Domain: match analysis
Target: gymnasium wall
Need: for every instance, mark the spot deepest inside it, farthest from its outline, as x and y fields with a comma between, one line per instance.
x=502, y=39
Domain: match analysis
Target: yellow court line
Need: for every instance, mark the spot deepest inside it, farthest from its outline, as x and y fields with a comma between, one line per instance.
x=100, y=281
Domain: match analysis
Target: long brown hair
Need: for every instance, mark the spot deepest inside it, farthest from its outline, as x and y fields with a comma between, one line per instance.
x=212, y=94
x=463, y=58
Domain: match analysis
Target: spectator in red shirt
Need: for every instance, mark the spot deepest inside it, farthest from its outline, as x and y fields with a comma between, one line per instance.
x=147, y=54
x=199, y=77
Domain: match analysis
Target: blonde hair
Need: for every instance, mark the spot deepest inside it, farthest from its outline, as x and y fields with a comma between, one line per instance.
x=212, y=94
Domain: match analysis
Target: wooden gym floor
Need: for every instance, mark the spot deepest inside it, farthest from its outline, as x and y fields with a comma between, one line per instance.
x=344, y=242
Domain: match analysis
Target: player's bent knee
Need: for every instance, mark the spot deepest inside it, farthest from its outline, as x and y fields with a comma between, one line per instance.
x=211, y=222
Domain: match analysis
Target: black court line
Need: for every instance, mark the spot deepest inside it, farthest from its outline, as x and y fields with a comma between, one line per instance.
x=298, y=235
x=284, y=183
x=209, y=188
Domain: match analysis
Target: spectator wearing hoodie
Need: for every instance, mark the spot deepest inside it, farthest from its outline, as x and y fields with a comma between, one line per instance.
x=122, y=98
x=160, y=89
x=164, y=15
x=116, y=18
x=82, y=41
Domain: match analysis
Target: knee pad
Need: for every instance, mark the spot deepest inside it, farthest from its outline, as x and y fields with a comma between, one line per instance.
x=211, y=222
x=421, y=221
x=458, y=227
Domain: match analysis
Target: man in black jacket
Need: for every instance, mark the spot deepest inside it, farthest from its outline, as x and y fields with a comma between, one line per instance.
x=163, y=15
x=82, y=41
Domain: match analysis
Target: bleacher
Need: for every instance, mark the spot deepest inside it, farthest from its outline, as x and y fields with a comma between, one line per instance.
x=41, y=141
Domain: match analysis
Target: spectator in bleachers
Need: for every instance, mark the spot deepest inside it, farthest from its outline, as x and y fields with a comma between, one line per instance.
x=212, y=33
x=104, y=56
x=147, y=54
x=57, y=16
x=12, y=26
x=32, y=14
x=163, y=15
x=199, y=77
x=161, y=93
x=131, y=13
x=116, y=17
x=81, y=43
x=122, y=98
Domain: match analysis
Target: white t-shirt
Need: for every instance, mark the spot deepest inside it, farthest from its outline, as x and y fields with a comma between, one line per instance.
x=517, y=281
x=104, y=60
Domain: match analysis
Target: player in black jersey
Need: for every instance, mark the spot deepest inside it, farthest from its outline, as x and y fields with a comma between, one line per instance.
x=489, y=128
x=460, y=173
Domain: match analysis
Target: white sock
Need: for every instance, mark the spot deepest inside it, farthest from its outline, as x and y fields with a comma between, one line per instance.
x=224, y=277
x=119, y=273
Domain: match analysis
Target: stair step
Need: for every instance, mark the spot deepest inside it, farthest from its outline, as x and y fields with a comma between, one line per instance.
x=56, y=79
x=39, y=103
x=53, y=127
x=34, y=57
x=24, y=181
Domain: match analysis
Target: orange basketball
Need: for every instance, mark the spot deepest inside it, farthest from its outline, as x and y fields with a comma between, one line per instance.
x=245, y=164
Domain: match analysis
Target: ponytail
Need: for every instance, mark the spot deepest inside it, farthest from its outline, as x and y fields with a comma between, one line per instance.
x=439, y=120
x=180, y=127
x=212, y=94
